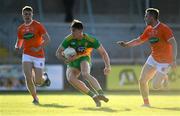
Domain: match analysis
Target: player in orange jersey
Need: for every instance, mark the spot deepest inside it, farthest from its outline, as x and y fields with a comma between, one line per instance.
x=34, y=37
x=163, y=55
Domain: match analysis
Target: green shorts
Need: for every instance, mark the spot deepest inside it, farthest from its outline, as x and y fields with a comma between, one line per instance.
x=77, y=62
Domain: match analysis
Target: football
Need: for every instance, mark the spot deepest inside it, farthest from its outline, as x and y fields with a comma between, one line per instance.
x=68, y=52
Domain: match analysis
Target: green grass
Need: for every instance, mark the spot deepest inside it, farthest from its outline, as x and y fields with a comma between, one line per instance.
x=66, y=104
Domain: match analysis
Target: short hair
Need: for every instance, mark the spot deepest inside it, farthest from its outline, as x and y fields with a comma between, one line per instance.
x=27, y=8
x=77, y=24
x=153, y=12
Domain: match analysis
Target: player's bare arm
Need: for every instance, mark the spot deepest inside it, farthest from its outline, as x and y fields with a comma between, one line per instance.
x=174, y=45
x=46, y=41
x=105, y=58
x=132, y=43
x=18, y=45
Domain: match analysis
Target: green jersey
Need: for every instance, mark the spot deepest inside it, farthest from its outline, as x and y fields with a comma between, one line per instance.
x=82, y=46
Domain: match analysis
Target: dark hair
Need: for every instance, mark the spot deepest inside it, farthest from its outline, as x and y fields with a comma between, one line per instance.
x=77, y=24
x=27, y=8
x=153, y=12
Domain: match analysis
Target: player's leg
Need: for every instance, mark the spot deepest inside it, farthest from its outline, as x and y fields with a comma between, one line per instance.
x=85, y=71
x=147, y=74
x=72, y=75
x=160, y=79
x=27, y=69
x=41, y=78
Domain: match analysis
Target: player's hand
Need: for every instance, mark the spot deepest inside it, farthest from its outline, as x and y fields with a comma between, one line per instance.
x=18, y=50
x=70, y=59
x=122, y=43
x=107, y=70
x=36, y=49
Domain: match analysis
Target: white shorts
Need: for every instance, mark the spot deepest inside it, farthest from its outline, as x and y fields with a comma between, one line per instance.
x=37, y=62
x=160, y=67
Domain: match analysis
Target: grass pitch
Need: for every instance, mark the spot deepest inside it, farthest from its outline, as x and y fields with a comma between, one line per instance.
x=66, y=104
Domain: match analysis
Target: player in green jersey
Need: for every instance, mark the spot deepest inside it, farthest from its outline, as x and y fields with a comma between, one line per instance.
x=81, y=63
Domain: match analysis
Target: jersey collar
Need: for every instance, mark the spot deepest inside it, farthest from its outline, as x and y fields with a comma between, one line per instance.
x=28, y=23
x=156, y=25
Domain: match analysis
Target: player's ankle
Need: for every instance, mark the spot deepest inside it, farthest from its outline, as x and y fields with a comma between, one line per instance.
x=146, y=101
x=35, y=98
x=100, y=92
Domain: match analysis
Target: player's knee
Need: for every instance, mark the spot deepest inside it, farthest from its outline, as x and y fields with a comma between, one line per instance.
x=156, y=86
x=85, y=75
x=70, y=79
x=142, y=82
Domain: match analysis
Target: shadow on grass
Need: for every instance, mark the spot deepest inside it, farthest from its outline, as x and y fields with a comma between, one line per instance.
x=53, y=105
x=104, y=109
x=172, y=109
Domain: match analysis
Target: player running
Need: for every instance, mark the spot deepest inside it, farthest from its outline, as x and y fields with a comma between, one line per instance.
x=34, y=37
x=81, y=63
x=163, y=55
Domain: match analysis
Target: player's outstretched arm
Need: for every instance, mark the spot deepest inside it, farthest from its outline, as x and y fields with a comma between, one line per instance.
x=132, y=43
x=105, y=58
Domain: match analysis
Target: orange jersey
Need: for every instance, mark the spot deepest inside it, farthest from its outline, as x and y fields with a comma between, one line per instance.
x=158, y=36
x=31, y=36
